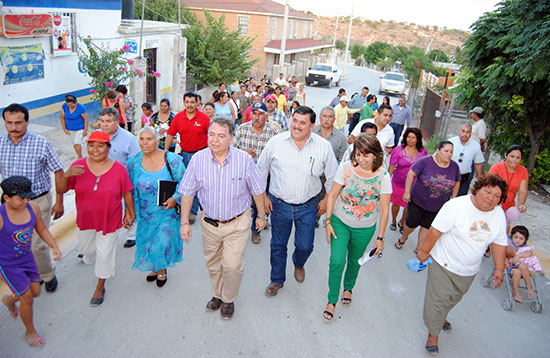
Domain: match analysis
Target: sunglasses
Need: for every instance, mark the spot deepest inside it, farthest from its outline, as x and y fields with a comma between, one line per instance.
x=96, y=183
x=460, y=159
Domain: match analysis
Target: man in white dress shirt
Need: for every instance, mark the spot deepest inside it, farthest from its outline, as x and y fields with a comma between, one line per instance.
x=385, y=132
x=295, y=160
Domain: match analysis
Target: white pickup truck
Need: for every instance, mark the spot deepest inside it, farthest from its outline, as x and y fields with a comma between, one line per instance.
x=324, y=74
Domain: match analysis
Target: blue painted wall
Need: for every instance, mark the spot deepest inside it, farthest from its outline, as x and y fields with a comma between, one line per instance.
x=68, y=4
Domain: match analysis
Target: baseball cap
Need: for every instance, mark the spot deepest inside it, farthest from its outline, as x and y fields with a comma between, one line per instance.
x=17, y=185
x=99, y=136
x=271, y=97
x=344, y=98
x=260, y=106
x=477, y=110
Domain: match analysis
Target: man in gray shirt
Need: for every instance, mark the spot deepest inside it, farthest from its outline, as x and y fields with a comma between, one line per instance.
x=401, y=115
x=123, y=146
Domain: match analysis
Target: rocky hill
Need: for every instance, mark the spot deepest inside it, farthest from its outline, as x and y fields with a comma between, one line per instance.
x=394, y=33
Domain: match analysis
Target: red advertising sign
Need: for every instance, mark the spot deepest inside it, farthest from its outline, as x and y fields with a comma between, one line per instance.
x=26, y=25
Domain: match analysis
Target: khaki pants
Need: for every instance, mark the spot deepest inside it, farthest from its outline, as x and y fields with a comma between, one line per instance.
x=223, y=252
x=444, y=290
x=40, y=249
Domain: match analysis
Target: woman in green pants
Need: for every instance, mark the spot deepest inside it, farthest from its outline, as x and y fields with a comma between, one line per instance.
x=360, y=194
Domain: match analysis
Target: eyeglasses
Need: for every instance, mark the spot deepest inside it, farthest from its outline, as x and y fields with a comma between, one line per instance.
x=460, y=159
x=96, y=183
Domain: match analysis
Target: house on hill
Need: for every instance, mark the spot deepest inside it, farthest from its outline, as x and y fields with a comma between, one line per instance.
x=262, y=20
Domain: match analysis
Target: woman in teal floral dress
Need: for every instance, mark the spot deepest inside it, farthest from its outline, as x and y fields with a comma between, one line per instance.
x=359, y=195
x=158, y=243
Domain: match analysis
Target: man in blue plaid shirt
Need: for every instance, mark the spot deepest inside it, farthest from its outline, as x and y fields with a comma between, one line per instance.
x=33, y=156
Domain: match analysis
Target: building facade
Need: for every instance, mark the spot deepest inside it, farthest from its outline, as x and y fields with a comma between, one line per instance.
x=262, y=20
x=39, y=62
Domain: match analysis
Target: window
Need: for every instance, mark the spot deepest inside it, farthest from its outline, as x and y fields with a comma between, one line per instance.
x=305, y=28
x=296, y=23
x=290, y=29
x=276, y=59
x=292, y=57
x=310, y=29
x=242, y=24
x=273, y=27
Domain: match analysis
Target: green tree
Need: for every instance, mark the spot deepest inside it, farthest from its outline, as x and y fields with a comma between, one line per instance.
x=340, y=45
x=507, y=62
x=106, y=67
x=357, y=51
x=376, y=51
x=438, y=55
x=215, y=54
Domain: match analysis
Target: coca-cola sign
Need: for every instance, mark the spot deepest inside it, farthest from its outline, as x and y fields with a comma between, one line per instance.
x=27, y=25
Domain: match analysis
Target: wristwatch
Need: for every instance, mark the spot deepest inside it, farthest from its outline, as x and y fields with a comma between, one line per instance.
x=379, y=238
x=265, y=217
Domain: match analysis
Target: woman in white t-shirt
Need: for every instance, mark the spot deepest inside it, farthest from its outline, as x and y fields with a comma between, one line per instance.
x=457, y=244
x=359, y=196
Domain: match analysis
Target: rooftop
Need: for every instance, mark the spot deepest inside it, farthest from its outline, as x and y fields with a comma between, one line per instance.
x=295, y=45
x=265, y=7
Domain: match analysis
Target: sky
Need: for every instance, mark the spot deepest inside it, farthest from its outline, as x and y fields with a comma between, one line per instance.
x=453, y=14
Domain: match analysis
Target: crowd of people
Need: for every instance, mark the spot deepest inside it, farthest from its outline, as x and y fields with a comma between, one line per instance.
x=243, y=161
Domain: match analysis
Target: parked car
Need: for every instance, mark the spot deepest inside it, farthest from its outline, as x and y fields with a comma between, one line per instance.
x=324, y=74
x=392, y=82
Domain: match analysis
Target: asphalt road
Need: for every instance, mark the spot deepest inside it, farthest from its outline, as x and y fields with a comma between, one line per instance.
x=139, y=319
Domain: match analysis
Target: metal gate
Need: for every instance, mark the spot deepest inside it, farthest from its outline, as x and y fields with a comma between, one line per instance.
x=150, y=81
x=429, y=123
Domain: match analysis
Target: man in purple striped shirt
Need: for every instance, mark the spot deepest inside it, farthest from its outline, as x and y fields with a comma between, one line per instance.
x=224, y=178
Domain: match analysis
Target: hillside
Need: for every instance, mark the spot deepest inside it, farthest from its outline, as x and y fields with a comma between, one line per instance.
x=404, y=34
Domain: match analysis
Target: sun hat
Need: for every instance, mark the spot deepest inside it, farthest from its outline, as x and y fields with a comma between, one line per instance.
x=99, y=136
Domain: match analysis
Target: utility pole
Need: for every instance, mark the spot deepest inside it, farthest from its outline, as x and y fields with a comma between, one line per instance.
x=283, y=40
x=349, y=36
x=335, y=30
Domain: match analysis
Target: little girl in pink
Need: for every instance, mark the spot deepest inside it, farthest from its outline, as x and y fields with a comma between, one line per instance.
x=147, y=110
x=522, y=261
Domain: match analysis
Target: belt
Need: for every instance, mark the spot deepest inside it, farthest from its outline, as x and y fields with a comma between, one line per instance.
x=40, y=195
x=467, y=175
x=228, y=221
x=305, y=202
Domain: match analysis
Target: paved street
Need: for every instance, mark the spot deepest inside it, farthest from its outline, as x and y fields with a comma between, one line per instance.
x=139, y=319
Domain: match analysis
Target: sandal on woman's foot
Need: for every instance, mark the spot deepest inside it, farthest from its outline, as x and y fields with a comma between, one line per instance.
x=518, y=297
x=346, y=301
x=447, y=326
x=151, y=277
x=327, y=315
x=399, y=244
x=161, y=279
x=530, y=294
x=400, y=228
x=393, y=227
x=35, y=341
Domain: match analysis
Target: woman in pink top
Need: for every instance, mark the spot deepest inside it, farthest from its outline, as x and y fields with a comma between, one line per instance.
x=401, y=160
x=99, y=183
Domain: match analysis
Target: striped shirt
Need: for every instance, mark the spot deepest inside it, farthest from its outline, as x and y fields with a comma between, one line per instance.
x=246, y=138
x=33, y=157
x=223, y=190
x=280, y=118
x=295, y=173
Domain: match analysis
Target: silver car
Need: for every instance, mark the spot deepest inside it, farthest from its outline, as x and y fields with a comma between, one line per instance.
x=392, y=82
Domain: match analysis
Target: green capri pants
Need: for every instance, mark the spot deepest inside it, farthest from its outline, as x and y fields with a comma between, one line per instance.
x=349, y=243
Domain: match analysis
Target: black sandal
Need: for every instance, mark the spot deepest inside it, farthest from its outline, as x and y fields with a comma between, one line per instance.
x=400, y=243
x=400, y=228
x=327, y=316
x=346, y=301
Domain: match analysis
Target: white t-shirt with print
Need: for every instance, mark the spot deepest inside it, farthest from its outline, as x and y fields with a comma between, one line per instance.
x=359, y=200
x=467, y=231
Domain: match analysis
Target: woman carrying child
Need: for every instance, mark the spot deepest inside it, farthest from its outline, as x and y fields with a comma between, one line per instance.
x=18, y=218
x=521, y=261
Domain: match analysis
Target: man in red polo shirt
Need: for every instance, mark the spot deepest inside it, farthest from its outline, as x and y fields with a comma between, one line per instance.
x=192, y=126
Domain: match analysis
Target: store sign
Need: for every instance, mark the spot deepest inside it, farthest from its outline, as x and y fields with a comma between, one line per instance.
x=62, y=34
x=22, y=63
x=27, y=25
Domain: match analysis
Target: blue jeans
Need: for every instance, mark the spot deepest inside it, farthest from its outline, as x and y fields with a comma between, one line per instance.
x=397, y=130
x=186, y=158
x=282, y=217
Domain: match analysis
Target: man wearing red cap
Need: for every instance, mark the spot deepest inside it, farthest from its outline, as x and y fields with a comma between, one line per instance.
x=274, y=114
